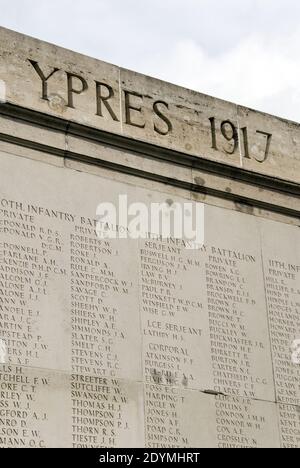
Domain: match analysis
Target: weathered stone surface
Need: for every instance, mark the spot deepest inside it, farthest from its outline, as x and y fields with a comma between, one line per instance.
x=143, y=342
x=144, y=108
x=32, y=403
x=185, y=418
x=289, y=423
x=210, y=331
x=186, y=304
x=47, y=409
x=203, y=312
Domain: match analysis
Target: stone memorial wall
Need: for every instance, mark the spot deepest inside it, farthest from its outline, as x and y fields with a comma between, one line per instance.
x=143, y=342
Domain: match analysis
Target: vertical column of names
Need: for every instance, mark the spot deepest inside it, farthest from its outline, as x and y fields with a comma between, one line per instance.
x=282, y=282
x=283, y=297
x=31, y=253
x=175, y=338
x=231, y=304
x=105, y=325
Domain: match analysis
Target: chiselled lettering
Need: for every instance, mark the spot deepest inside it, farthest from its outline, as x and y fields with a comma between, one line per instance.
x=43, y=78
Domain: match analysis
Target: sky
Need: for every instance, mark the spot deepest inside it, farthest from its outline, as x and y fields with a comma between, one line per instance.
x=245, y=51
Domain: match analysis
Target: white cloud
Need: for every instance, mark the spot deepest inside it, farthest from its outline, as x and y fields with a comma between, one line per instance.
x=255, y=72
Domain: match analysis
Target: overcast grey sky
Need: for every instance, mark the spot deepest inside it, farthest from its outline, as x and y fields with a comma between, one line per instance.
x=246, y=51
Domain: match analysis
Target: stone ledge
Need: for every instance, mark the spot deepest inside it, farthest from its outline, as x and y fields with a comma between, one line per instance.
x=148, y=161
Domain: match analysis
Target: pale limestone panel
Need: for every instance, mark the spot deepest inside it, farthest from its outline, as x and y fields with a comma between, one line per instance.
x=69, y=300
x=35, y=408
x=24, y=86
x=91, y=318
x=184, y=418
x=188, y=111
x=251, y=193
x=47, y=409
x=281, y=253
